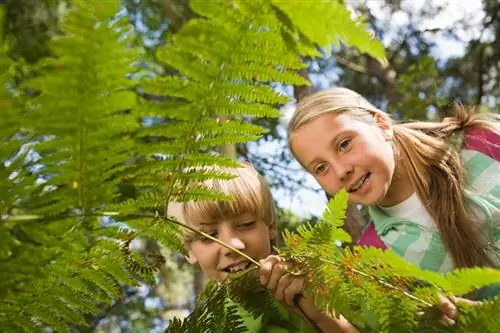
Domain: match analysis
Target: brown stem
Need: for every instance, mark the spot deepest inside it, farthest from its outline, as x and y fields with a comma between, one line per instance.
x=385, y=284
x=213, y=239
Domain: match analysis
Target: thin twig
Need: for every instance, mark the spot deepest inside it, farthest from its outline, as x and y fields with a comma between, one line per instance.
x=201, y=233
x=386, y=284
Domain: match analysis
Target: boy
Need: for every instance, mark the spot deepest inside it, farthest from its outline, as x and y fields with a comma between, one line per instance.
x=248, y=223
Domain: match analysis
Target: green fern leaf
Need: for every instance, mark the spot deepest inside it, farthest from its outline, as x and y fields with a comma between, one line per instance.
x=339, y=28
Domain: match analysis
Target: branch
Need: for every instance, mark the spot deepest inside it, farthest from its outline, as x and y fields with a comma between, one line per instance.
x=349, y=64
x=385, y=284
x=481, y=68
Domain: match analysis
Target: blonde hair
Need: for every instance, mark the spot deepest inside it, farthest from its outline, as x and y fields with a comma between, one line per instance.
x=251, y=195
x=425, y=152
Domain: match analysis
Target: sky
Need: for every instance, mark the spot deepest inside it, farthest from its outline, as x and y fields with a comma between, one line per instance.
x=306, y=202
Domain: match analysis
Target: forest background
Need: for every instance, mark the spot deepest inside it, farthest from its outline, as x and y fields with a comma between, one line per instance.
x=438, y=52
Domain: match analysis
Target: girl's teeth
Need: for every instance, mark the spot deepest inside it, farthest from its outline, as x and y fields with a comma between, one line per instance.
x=359, y=183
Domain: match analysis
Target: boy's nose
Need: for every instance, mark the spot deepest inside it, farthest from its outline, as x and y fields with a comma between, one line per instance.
x=237, y=243
x=233, y=240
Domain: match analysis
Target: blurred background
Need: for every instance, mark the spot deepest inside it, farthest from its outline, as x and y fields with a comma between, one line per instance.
x=439, y=52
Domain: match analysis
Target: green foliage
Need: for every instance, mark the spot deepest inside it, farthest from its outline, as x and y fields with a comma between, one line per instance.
x=379, y=284
x=212, y=314
x=56, y=267
x=247, y=291
x=375, y=290
x=338, y=28
x=424, y=78
x=67, y=245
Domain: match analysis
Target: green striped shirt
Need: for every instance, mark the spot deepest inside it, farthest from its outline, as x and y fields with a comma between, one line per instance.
x=422, y=245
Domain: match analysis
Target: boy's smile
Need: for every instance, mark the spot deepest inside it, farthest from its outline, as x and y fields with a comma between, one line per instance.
x=237, y=267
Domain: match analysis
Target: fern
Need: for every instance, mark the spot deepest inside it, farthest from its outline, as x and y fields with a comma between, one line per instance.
x=338, y=28
x=224, y=62
x=388, y=291
x=212, y=314
x=247, y=291
x=58, y=270
x=377, y=291
x=61, y=261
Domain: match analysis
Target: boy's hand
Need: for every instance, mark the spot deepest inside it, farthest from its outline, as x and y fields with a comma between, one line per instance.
x=282, y=281
x=449, y=310
x=277, y=276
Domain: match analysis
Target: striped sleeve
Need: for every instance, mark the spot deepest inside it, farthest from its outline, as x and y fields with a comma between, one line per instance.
x=419, y=246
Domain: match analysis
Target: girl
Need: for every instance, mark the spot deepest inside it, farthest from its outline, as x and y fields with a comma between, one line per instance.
x=249, y=224
x=432, y=189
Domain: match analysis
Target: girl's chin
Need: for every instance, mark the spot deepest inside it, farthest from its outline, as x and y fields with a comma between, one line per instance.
x=365, y=200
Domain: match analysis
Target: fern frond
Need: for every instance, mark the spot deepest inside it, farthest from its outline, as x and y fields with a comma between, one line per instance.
x=402, y=320
x=480, y=318
x=339, y=28
x=377, y=290
x=82, y=99
x=463, y=281
x=212, y=314
x=247, y=291
x=60, y=272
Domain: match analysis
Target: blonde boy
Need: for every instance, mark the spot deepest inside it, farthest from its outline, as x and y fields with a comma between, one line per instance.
x=248, y=223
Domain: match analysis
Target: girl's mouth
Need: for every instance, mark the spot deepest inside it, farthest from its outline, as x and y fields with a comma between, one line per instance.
x=359, y=184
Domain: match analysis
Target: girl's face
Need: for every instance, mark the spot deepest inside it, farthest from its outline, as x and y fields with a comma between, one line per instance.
x=243, y=232
x=342, y=151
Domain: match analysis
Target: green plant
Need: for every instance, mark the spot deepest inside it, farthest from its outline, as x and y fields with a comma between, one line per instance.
x=67, y=236
x=377, y=291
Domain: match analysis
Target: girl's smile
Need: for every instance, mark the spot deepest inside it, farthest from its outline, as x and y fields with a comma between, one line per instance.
x=352, y=154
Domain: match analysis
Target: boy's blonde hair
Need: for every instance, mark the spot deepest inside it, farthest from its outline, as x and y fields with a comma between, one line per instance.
x=251, y=195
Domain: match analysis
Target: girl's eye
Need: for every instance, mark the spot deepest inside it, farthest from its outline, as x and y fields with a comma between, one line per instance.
x=320, y=169
x=344, y=145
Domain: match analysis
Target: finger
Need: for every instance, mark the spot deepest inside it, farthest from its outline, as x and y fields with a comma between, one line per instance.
x=447, y=321
x=282, y=287
x=456, y=300
x=296, y=287
x=266, y=268
x=279, y=270
x=447, y=308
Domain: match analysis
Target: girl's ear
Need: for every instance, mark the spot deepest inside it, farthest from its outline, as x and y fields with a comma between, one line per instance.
x=191, y=258
x=384, y=123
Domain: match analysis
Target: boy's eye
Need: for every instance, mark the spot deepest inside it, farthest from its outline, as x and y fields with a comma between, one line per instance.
x=320, y=169
x=344, y=145
x=206, y=239
x=246, y=225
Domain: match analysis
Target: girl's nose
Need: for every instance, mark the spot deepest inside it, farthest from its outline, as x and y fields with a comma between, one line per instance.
x=342, y=170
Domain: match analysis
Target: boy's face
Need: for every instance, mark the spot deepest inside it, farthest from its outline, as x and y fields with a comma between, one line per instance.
x=243, y=233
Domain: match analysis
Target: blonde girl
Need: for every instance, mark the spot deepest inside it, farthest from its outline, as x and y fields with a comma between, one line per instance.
x=432, y=188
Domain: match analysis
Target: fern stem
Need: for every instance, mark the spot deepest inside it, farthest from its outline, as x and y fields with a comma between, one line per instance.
x=385, y=284
x=201, y=233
